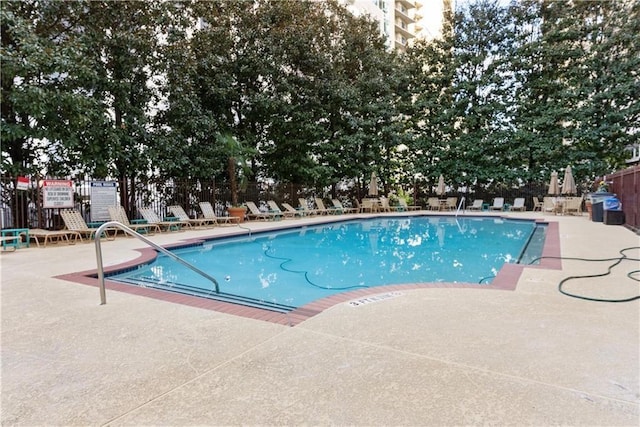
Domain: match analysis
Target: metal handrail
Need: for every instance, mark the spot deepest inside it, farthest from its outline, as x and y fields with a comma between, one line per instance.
x=462, y=203
x=116, y=224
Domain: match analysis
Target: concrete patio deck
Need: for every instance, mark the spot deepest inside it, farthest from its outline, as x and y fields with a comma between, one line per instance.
x=428, y=357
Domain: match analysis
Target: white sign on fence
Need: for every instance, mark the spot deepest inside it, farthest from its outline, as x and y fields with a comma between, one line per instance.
x=103, y=195
x=57, y=194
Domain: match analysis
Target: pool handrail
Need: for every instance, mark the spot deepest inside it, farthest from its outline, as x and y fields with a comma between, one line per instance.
x=116, y=224
x=460, y=205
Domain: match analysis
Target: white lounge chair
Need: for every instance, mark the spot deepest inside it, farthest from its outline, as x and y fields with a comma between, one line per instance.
x=433, y=203
x=179, y=213
x=477, y=205
x=518, y=204
x=290, y=209
x=117, y=213
x=322, y=210
x=498, y=204
x=385, y=206
x=549, y=204
x=537, y=204
x=572, y=205
x=340, y=207
x=73, y=221
x=209, y=213
x=451, y=203
x=152, y=218
x=255, y=213
x=274, y=208
x=369, y=205
x=407, y=207
x=53, y=236
x=305, y=207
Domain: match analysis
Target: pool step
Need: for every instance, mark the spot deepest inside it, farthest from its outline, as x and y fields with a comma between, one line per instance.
x=197, y=292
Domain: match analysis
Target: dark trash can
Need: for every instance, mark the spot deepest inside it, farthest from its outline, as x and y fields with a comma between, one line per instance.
x=593, y=198
x=597, y=211
x=613, y=214
x=613, y=217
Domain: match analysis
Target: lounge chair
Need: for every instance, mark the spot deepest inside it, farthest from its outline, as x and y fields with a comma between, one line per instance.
x=572, y=205
x=275, y=209
x=305, y=207
x=407, y=207
x=290, y=209
x=322, y=209
x=369, y=205
x=340, y=207
x=73, y=221
x=152, y=218
x=53, y=236
x=255, y=213
x=433, y=203
x=549, y=205
x=385, y=206
x=518, y=204
x=537, y=204
x=209, y=213
x=451, y=203
x=477, y=205
x=498, y=204
x=182, y=216
x=117, y=213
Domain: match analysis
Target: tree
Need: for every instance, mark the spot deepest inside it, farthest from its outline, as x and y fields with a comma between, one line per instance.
x=42, y=108
x=462, y=98
x=237, y=155
x=575, y=67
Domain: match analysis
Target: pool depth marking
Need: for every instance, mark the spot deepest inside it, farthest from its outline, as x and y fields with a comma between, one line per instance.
x=374, y=298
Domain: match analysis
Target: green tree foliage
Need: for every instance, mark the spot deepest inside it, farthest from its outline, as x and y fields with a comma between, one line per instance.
x=602, y=81
x=576, y=64
x=304, y=83
x=76, y=76
x=539, y=105
x=511, y=93
x=508, y=94
x=119, y=41
x=462, y=99
x=41, y=106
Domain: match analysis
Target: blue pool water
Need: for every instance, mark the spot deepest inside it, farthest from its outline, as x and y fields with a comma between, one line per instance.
x=290, y=268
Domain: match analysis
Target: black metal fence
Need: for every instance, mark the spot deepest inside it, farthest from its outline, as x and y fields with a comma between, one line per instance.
x=23, y=208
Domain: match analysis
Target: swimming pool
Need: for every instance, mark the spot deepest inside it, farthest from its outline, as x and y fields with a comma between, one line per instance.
x=286, y=269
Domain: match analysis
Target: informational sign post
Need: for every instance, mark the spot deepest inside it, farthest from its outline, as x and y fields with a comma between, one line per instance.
x=103, y=195
x=57, y=194
x=22, y=183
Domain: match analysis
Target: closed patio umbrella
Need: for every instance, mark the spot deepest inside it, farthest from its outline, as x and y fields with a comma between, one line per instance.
x=554, y=187
x=568, y=184
x=373, y=185
x=441, y=187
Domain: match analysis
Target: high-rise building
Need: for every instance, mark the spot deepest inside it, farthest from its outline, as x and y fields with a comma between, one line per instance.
x=429, y=17
x=401, y=21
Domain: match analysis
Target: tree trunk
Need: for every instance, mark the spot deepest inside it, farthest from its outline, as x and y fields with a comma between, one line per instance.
x=233, y=182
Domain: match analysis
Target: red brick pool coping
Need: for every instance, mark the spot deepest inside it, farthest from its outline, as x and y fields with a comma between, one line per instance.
x=507, y=279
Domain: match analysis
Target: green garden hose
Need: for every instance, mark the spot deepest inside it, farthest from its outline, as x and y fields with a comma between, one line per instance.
x=616, y=261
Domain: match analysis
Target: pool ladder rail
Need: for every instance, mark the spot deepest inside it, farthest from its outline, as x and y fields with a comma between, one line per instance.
x=461, y=205
x=117, y=225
